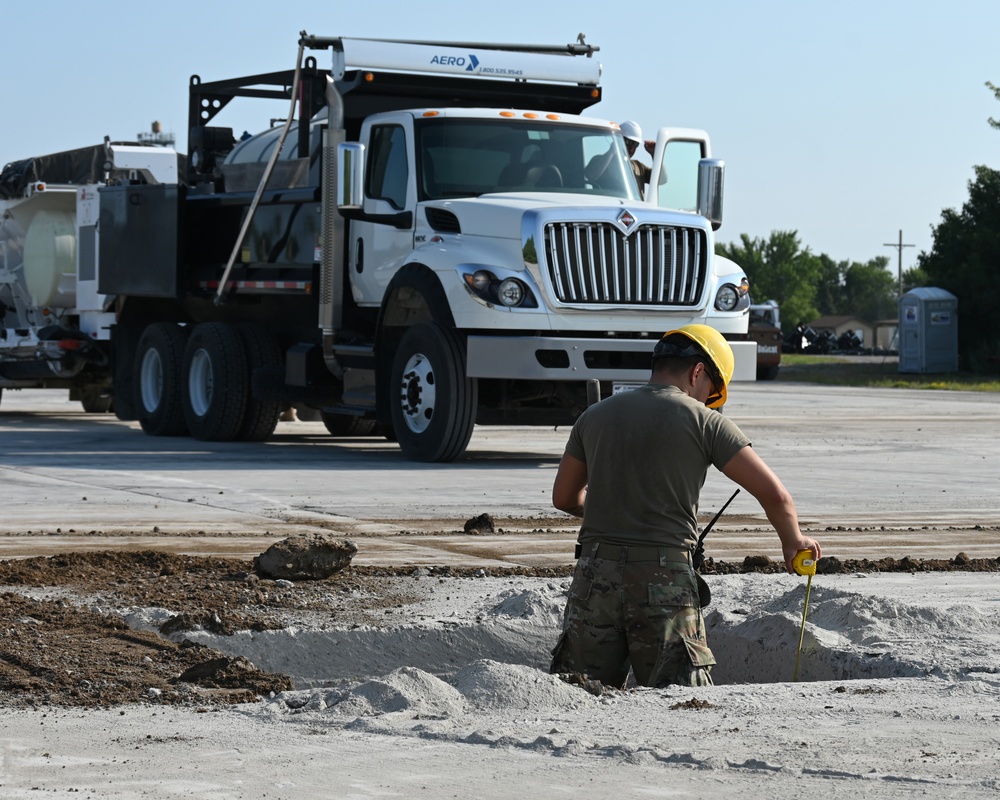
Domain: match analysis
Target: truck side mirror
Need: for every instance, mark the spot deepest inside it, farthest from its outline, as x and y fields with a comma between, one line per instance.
x=350, y=172
x=710, y=175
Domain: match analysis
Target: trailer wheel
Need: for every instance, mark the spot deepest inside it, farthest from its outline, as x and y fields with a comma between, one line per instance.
x=215, y=367
x=433, y=403
x=261, y=415
x=159, y=380
x=347, y=424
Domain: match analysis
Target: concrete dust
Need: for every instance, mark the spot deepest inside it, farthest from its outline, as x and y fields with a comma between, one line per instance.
x=438, y=678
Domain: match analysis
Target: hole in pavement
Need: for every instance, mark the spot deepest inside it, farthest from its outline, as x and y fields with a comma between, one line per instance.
x=753, y=644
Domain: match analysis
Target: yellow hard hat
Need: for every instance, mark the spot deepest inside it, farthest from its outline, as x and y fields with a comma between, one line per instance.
x=714, y=345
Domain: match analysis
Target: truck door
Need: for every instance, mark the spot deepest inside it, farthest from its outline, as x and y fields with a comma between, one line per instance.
x=674, y=179
x=378, y=249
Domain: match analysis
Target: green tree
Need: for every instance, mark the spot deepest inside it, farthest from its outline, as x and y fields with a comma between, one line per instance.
x=869, y=290
x=778, y=268
x=963, y=260
x=830, y=286
x=995, y=123
x=913, y=278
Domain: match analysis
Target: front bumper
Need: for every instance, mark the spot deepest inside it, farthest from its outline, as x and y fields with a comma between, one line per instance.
x=569, y=359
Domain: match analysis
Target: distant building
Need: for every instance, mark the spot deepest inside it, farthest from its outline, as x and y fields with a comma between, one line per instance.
x=886, y=334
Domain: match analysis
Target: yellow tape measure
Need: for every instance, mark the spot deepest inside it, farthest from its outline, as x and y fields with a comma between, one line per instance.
x=803, y=564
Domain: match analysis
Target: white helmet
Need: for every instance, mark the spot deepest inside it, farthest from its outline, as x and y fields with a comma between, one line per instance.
x=631, y=131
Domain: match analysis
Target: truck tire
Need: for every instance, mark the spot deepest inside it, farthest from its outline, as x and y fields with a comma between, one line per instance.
x=158, y=380
x=95, y=400
x=347, y=424
x=216, y=377
x=433, y=403
x=261, y=350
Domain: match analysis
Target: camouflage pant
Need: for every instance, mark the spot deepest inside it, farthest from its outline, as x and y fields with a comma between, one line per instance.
x=643, y=614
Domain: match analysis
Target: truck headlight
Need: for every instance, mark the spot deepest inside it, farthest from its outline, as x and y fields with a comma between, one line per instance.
x=733, y=298
x=511, y=292
x=726, y=298
x=480, y=280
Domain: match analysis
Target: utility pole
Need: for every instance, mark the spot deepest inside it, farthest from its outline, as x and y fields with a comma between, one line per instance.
x=899, y=247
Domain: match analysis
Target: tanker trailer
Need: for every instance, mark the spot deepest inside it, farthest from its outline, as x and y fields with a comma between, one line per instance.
x=54, y=324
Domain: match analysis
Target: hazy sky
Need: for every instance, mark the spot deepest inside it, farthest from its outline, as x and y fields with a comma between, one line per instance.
x=846, y=121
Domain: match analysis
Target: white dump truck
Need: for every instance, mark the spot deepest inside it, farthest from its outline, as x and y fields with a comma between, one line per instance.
x=434, y=237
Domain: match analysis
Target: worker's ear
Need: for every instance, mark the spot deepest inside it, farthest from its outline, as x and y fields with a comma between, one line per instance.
x=695, y=372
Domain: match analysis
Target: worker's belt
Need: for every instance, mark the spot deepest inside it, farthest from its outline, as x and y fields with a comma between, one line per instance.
x=621, y=552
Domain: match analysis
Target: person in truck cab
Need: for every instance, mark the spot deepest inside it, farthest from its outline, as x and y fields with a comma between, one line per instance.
x=632, y=134
x=633, y=469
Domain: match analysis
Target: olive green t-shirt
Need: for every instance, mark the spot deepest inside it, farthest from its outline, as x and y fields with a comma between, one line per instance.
x=647, y=453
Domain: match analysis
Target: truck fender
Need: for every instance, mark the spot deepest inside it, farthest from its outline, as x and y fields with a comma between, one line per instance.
x=413, y=295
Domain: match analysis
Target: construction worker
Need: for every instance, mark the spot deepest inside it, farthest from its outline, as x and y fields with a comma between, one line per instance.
x=632, y=134
x=633, y=469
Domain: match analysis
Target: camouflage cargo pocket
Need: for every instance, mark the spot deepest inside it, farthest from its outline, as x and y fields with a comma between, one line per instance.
x=699, y=652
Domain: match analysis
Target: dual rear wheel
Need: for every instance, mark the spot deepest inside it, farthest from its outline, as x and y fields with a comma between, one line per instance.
x=199, y=382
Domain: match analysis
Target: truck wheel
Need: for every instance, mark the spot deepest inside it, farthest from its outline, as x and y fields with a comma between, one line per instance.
x=767, y=373
x=159, y=381
x=347, y=424
x=433, y=404
x=261, y=350
x=95, y=400
x=215, y=368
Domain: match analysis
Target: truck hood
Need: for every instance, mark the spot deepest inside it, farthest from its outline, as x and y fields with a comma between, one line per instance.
x=499, y=215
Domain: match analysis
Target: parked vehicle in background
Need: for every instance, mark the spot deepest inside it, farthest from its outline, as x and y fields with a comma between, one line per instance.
x=765, y=330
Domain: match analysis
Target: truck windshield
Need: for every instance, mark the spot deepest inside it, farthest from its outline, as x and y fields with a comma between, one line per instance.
x=467, y=158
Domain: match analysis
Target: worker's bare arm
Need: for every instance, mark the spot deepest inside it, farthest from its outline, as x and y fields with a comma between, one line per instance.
x=749, y=470
x=569, y=490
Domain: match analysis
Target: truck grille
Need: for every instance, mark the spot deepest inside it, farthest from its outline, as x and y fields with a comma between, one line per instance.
x=596, y=263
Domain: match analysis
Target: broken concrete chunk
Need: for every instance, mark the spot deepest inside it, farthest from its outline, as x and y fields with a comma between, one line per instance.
x=481, y=524
x=307, y=557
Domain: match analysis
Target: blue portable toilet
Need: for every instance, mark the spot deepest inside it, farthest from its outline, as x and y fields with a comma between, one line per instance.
x=928, y=330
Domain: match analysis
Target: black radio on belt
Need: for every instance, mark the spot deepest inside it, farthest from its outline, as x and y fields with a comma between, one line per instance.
x=578, y=550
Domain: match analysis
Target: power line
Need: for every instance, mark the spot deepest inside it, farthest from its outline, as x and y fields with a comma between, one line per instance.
x=899, y=247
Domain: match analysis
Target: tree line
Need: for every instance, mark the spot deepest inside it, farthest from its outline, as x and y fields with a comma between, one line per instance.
x=964, y=260
x=807, y=285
